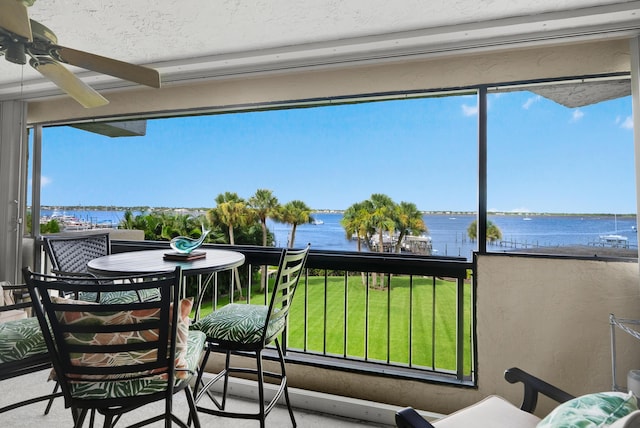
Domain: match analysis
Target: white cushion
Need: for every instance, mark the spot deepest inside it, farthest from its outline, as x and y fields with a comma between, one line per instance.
x=632, y=420
x=492, y=412
x=13, y=314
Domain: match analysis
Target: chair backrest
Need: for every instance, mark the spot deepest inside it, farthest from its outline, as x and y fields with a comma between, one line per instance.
x=71, y=253
x=290, y=268
x=111, y=353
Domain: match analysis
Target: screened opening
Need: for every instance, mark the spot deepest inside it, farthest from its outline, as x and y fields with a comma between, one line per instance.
x=560, y=172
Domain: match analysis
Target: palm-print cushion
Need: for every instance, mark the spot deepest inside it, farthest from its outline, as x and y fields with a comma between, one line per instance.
x=593, y=410
x=134, y=387
x=195, y=346
x=114, y=297
x=20, y=339
x=238, y=323
x=137, y=315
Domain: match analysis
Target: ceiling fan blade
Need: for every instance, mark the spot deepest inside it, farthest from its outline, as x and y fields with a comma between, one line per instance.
x=68, y=82
x=14, y=18
x=124, y=70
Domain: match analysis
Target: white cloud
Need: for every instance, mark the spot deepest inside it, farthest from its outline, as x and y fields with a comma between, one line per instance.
x=513, y=211
x=44, y=181
x=577, y=115
x=469, y=110
x=530, y=102
x=627, y=123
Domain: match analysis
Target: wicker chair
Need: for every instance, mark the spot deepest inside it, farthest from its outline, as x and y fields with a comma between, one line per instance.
x=113, y=358
x=247, y=329
x=69, y=255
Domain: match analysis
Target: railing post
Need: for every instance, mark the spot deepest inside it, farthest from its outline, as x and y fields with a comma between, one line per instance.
x=460, y=329
x=345, y=308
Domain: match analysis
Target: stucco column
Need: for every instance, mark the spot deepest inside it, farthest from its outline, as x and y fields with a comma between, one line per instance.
x=635, y=95
x=13, y=161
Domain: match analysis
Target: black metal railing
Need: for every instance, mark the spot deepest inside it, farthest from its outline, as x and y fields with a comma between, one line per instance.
x=392, y=314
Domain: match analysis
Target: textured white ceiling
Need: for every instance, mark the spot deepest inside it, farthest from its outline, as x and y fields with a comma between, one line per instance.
x=152, y=30
x=182, y=35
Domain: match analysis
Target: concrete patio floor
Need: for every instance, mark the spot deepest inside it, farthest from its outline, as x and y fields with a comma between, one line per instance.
x=312, y=410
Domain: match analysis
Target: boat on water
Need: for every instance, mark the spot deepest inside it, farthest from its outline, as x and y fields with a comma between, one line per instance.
x=317, y=222
x=420, y=244
x=69, y=222
x=616, y=241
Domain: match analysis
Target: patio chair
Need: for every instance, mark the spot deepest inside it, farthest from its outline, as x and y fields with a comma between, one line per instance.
x=610, y=409
x=69, y=255
x=247, y=329
x=113, y=358
x=22, y=347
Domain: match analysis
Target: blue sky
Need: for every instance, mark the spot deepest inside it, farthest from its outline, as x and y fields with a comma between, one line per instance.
x=542, y=157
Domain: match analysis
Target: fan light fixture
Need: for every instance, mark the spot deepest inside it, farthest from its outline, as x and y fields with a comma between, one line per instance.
x=15, y=53
x=21, y=37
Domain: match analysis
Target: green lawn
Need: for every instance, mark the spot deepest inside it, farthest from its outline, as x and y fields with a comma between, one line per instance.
x=388, y=312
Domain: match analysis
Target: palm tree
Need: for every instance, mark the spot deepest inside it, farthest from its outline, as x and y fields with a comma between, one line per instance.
x=231, y=210
x=493, y=232
x=382, y=216
x=152, y=225
x=408, y=221
x=356, y=221
x=383, y=220
x=128, y=221
x=181, y=225
x=265, y=206
x=294, y=213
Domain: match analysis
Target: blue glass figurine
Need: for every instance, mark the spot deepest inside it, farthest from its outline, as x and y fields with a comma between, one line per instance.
x=185, y=245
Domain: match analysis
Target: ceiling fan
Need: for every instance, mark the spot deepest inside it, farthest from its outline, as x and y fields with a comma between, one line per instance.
x=22, y=38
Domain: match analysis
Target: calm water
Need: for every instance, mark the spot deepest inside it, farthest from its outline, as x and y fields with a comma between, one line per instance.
x=448, y=232
x=106, y=218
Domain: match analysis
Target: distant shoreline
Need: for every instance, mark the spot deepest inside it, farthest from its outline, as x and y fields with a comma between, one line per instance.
x=320, y=211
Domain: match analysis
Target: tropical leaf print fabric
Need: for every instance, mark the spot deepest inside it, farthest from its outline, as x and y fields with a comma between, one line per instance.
x=143, y=386
x=21, y=339
x=195, y=346
x=113, y=297
x=593, y=410
x=238, y=323
x=131, y=384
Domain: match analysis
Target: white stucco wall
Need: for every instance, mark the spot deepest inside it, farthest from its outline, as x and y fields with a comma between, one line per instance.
x=550, y=316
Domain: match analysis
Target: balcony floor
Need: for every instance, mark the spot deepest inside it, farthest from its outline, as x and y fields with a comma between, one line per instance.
x=33, y=385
